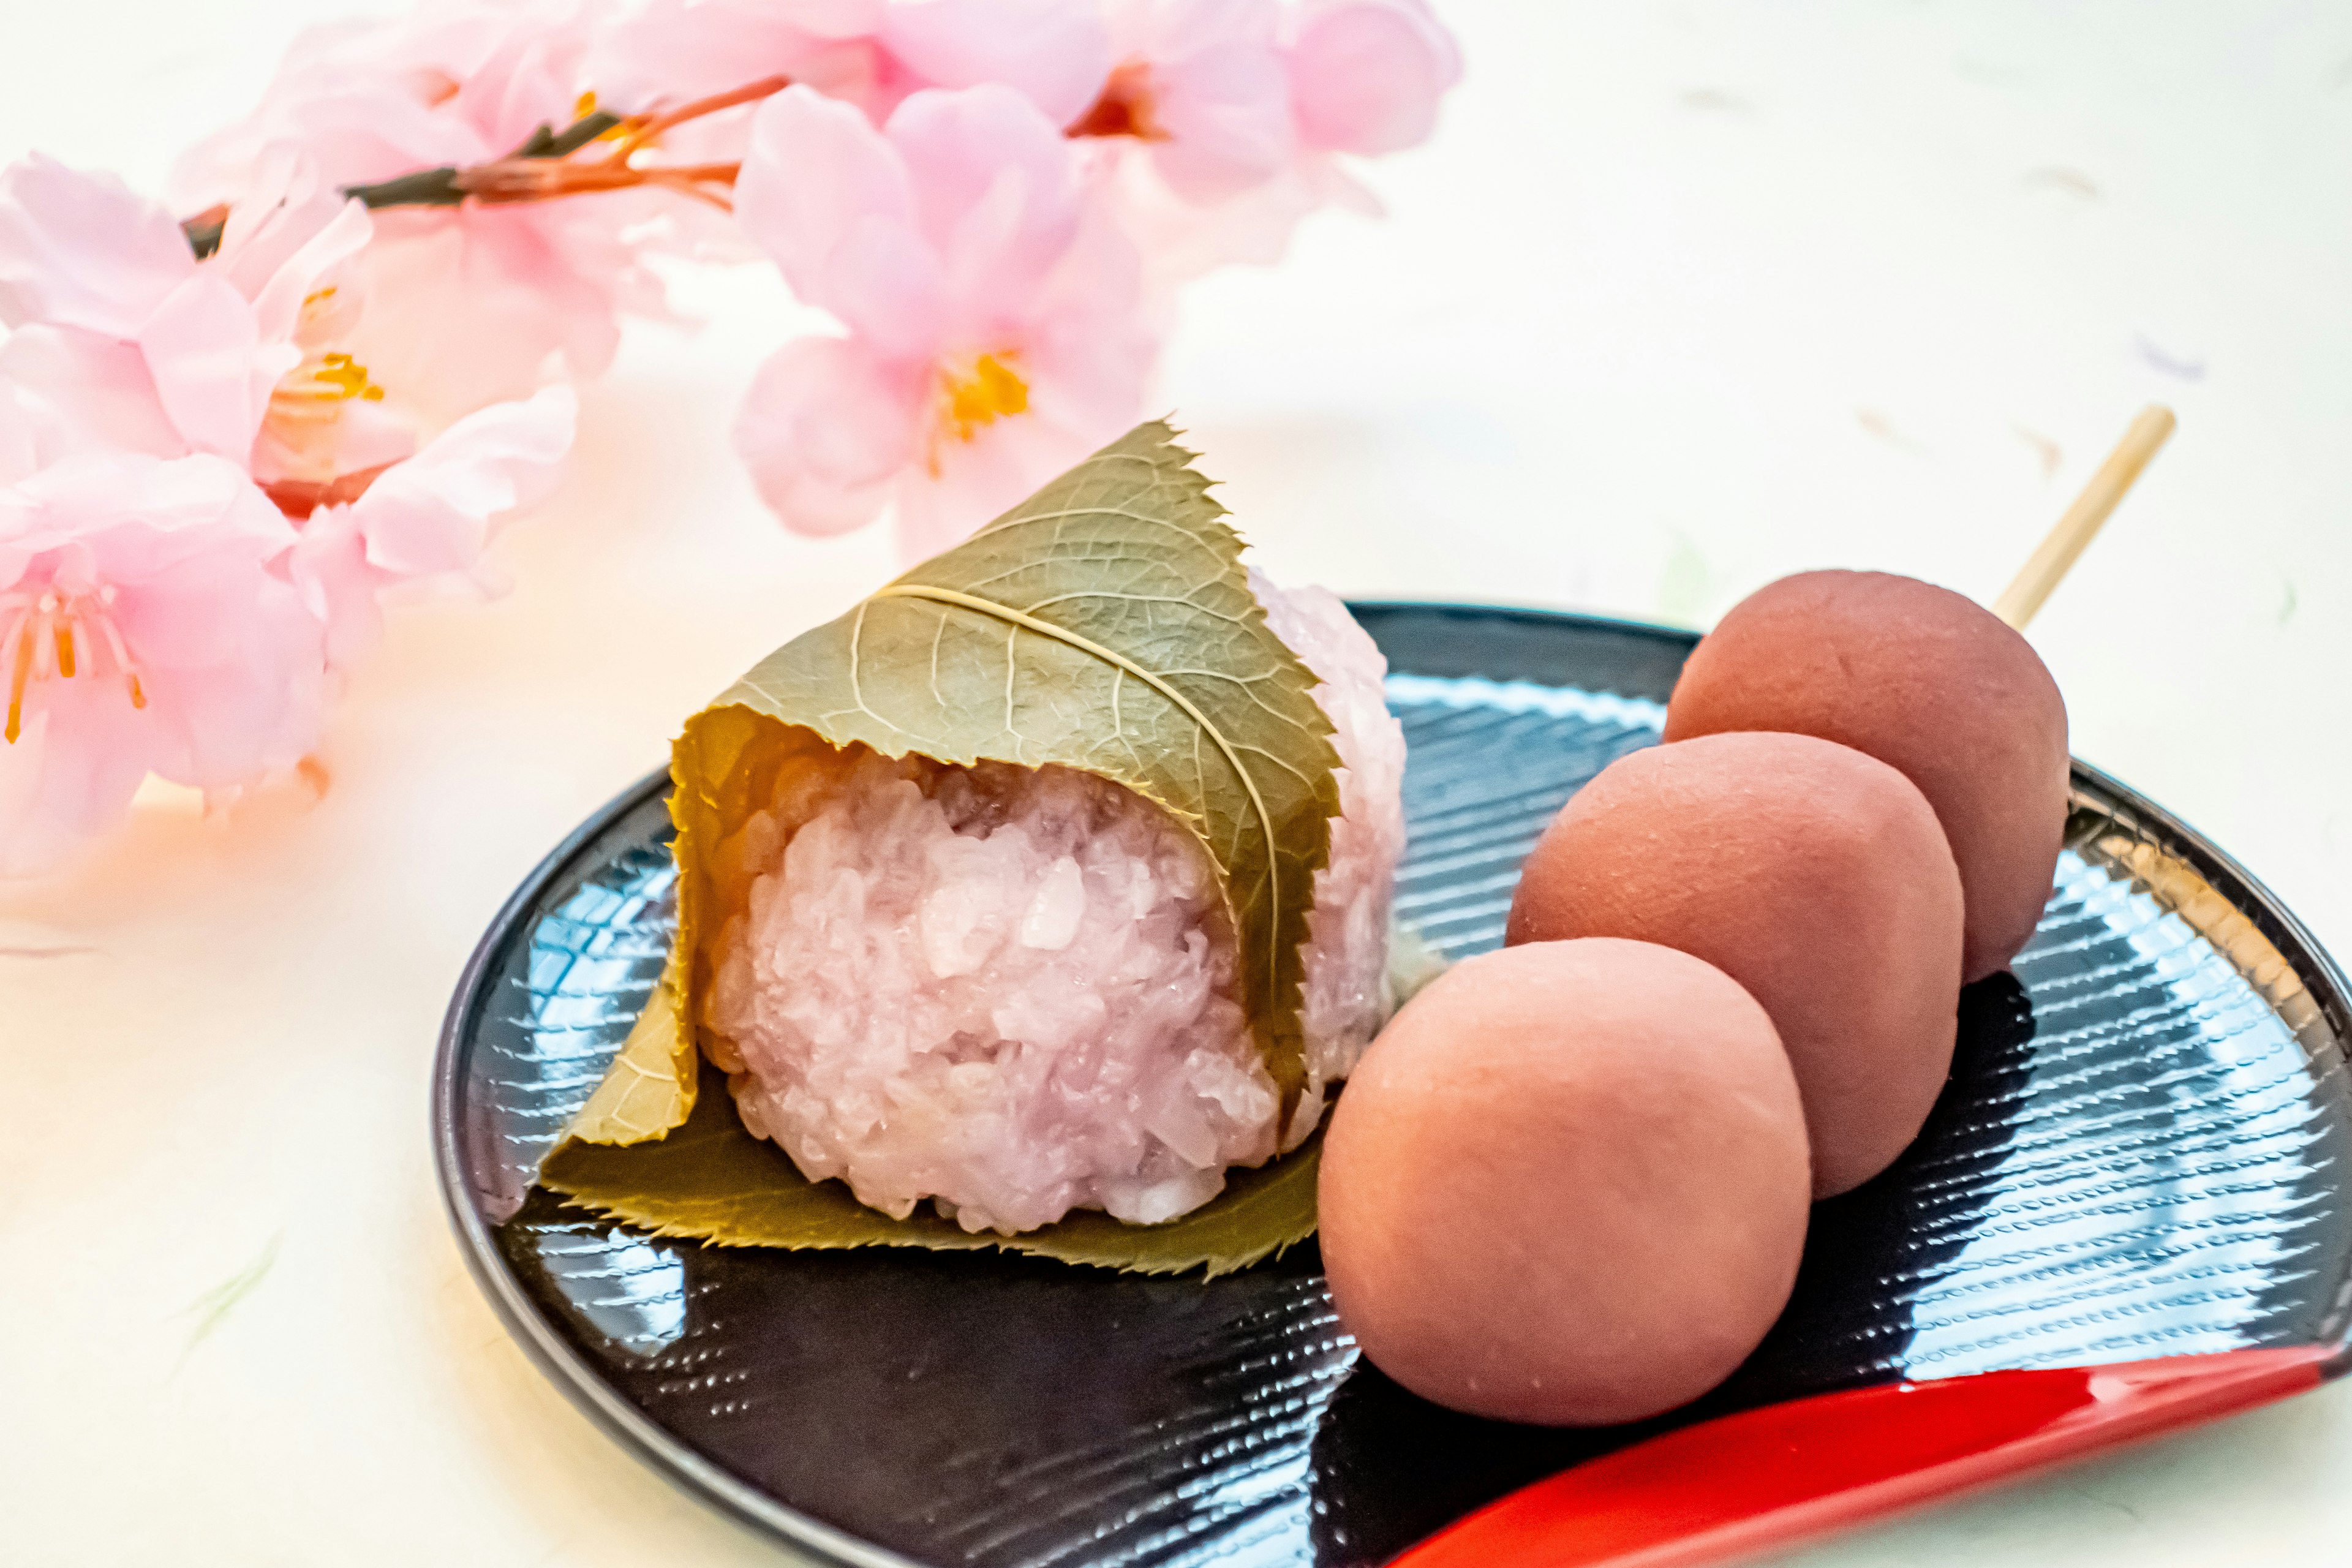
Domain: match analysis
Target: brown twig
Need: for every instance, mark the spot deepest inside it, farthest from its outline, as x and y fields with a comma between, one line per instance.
x=513, y=180
x=551, y=165
x=639, y=135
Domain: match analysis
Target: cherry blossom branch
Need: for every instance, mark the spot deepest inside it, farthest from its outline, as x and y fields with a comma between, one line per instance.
x=548, y=165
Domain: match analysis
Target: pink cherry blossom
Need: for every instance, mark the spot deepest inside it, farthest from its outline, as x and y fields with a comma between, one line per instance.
x=468, y=304
x=108, y=356
x=994, y=334
x=429, y=516
x=432, y=515
x=670, y=51
x=146, y=624
x=663, y=52
x=1225, y=120
x=1366, y=75
x=871, y=53
x=1056, y=53
x=212, y=471
x=254, y=373
x=1200, y=86
x=126, y=340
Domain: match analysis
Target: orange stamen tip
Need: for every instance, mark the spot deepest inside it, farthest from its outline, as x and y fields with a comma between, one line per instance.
x=991, y=390
x=138, y=694
x=18, y=678
x=65, y=652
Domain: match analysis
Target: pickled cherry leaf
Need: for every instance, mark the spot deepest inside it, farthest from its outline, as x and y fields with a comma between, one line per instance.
x=1106, y=624
x=651, y=1086
x=711, y=1180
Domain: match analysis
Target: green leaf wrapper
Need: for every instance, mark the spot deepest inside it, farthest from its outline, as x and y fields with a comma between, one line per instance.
x=1106, y=624
x=651, y=1085
x=712, y=1180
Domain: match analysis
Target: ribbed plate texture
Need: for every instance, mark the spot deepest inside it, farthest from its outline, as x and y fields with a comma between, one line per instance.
x=2143, y=1151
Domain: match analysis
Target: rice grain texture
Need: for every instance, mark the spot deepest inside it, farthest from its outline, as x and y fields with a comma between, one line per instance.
x=1011, y=991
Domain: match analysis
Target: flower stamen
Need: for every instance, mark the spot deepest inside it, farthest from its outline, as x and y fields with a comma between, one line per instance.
x=20, y=675
x=306, y=410
x=992, y=390
x=329, y=378
x=348, y=377
x=44, y=638
x=1125, y=107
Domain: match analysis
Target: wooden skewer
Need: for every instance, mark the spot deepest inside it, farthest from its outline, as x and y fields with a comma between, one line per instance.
x=2064, y=543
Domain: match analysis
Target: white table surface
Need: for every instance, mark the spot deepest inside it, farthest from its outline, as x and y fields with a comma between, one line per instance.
x=1682, y=298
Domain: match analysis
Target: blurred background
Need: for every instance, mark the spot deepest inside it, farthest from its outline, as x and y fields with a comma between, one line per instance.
x=1681, y=298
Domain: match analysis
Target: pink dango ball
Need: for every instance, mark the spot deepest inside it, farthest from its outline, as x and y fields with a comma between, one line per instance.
x=1567, y=1185
x=1927, y=681
x=1815, y=876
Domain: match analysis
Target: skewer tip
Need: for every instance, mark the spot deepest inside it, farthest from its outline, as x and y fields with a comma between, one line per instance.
x=2065, y=543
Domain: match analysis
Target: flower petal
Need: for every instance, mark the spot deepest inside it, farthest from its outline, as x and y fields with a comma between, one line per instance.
x=126, y=518
x=1091, y=348
x=996, y=188
x=229, y=666
x=82, y=250
x=69, y=776
x=277, y=303
x=972, y=481
x=357, y=125
x=435, y=512
x=213, y=373
x=330, y=566
x=670, y=51
x=1220, y=97
x=514, y=78
x=19, y=445
x=84, y=393
x=1084, y=356
x=467, y=307
x=825, y=429
x=829, y=199
x=1366, y=75
x=1053, y=52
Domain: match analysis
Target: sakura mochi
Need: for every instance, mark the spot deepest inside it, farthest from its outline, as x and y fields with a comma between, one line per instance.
x=1011, y=992
x=1813, y=875
x=1568, y=1185
x=1021, y=905
x=1931, y=684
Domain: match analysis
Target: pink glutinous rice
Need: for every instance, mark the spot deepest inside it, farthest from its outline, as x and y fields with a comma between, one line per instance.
x=1011, y=991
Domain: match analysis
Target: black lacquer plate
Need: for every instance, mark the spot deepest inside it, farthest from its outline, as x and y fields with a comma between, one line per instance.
x=2142, y=1153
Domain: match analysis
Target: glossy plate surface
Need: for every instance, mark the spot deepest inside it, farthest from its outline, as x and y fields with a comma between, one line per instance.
x=2143, y=1153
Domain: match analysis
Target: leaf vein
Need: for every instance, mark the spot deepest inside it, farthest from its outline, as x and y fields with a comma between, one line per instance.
x=1018, y=622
